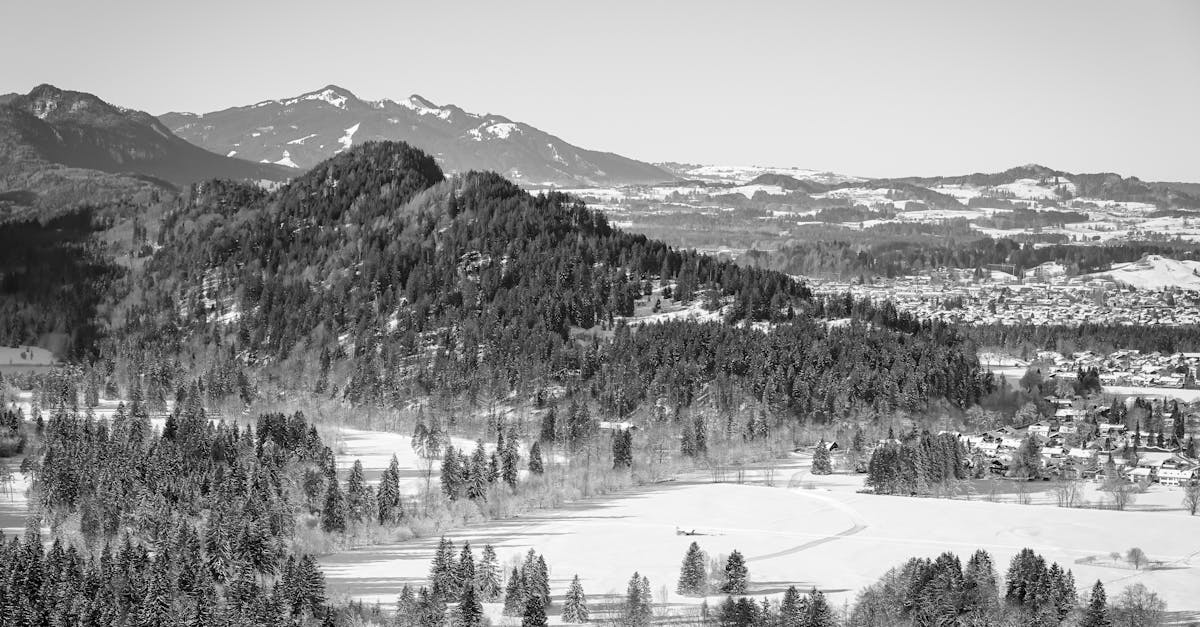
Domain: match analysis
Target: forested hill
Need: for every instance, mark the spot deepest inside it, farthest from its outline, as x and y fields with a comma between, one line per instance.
x=374, y=277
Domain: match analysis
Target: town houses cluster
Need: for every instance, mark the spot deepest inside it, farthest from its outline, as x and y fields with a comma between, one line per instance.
x=996, y=297
x=1086, y=441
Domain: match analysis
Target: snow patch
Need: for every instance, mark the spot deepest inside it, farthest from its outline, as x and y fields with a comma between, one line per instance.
x=348, y=138
x=303, y=139
x=287, y=160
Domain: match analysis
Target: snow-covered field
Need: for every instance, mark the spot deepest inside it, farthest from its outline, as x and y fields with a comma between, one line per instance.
x=375, y=449
x=821, y=533
x=1184, y=395
x=14, y=503
x=741, y=174
x=22, y=358
x=1154, y=272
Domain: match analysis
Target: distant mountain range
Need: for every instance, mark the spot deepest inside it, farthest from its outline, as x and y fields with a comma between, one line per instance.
x=55, y=127
x=307, y=129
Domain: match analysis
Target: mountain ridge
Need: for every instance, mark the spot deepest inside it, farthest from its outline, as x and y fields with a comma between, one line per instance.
x=313, y=126
x=50, y=127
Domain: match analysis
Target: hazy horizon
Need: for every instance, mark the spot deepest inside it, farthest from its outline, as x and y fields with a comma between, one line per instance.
x=864, y=88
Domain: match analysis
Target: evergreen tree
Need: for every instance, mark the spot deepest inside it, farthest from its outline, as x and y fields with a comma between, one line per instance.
x=535, y=459
x=792, y=610
x=693, y=575
x=464, y=571
x=333, y=515
x=510, y=461
x=736, y=574
x=701, y=430
x=637, y=611
x=477, y=485
x=819, y=612
x=821, y=463
x=452, y=474
x=388, y=496
x=548, y=432
x=442, y=571
x=469, y=612
x=575, y=609
x=534, y=614
x=487, y=575
x=514, y=594
x=1096, y=612
x=356, y=494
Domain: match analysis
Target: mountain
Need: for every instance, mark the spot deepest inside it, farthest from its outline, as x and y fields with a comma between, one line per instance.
x=375, y=278
x=51, y=126
x=739, y=174
x=312, y=127
x=1035, y=181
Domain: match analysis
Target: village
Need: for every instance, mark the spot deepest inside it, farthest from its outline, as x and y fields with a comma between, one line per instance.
x=1086, y=441
x=1046, y=296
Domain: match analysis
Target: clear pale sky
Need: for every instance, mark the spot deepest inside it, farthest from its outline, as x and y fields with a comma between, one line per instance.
x=882, y=88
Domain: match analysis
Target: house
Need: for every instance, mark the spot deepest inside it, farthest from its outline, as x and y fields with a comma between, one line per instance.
x=1141, y=474
x=1178, y=470
x=1041, y=428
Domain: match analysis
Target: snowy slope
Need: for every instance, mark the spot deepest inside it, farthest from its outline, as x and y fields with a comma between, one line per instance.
x=1154, y=272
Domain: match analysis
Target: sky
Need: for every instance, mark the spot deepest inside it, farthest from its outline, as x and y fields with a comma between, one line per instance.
x=871, y=88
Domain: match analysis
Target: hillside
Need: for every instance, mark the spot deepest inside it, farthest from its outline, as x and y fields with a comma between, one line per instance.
x=1154, y=272
x=1035, y=181
x=375, y=278
x=50, y=129
x=312, y=127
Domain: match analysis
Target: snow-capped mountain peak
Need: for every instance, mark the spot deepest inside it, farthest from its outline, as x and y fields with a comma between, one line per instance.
x=316, y=125
x=331, y=94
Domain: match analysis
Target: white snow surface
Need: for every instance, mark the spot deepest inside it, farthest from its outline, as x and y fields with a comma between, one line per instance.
x=1154, y=272
x=744, y=173
x=820, y=532
x=286, y=160
x=348, y=138
x=330, y=96
x=303, y=139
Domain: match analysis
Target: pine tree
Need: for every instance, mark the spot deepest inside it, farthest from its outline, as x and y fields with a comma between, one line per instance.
x=537, y=578
x=356, y=494
x=575, y=608
x=981, y=589
x=549, y=426
x=388, y=497
x=792, y=613
x=470, y=612
x=333, y=515
x=510, y=461
x=534, y=614
x=487, y=575
x=692, y=574
x=637, y=611
x=477, y=486
x=441, y=572
x=736, y=574
x=819, y=612
x=464, y=570
x=687, y=440
x=452, y=474
x=1096, y=612
x=535, y=459
x=701, y=430
x=821, y=463
x=514, y=594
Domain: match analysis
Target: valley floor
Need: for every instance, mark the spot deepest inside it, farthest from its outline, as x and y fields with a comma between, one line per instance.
x=810, y=531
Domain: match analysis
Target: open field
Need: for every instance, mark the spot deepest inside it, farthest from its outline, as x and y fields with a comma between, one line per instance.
x=22, y=359
x=819, y=532
x=14, y=502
